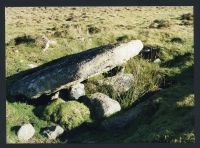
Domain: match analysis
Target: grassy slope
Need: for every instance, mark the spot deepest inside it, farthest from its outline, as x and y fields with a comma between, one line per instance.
x=171, y=121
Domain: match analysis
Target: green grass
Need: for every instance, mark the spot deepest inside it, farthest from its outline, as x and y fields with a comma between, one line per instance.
x=19, y=113
x=169, y=118
x=146, y=79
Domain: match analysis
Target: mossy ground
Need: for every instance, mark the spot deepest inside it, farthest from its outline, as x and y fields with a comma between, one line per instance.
x=169, y=119
x=19, y=113
x=70, y=114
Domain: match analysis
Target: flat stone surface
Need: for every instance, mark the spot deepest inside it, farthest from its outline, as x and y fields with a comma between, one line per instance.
x=66, y=71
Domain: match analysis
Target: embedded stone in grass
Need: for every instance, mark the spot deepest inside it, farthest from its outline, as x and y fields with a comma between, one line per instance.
x=32, y=65
x=53, y=132
x=25, y=132
x=103, y=105
x=69, y=115
x=55, y=96
x=44, y=42
x=157, y=61
x=125, y=118
x=77, y=90
x=120, y=83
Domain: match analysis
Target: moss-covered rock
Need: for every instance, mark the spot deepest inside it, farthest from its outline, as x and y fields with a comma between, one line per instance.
x=51, y=109
x=69, y=114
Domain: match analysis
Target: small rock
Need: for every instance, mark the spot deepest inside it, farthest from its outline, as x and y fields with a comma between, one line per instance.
x=103, y=105
x=32, y=65
x=53, y=42
x=54, y=132
x=48, y=43
x=25, y=132
x=120, y=83
x=55, y=96
x=77, y=90
x=157, y=61
x=124, y=119
x=44, y=42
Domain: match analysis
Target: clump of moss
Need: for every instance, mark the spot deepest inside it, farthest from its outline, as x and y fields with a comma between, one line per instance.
x=69, y=114
x=91, y=87
x=177, y=40
x=60, y=34
x=93, y=30
x=24, y=39
x=70, y=18
x=187, y=16
x=186, y=23
x=187, y=19
x=160, y=24
x=122, y=38
x=51, y=109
